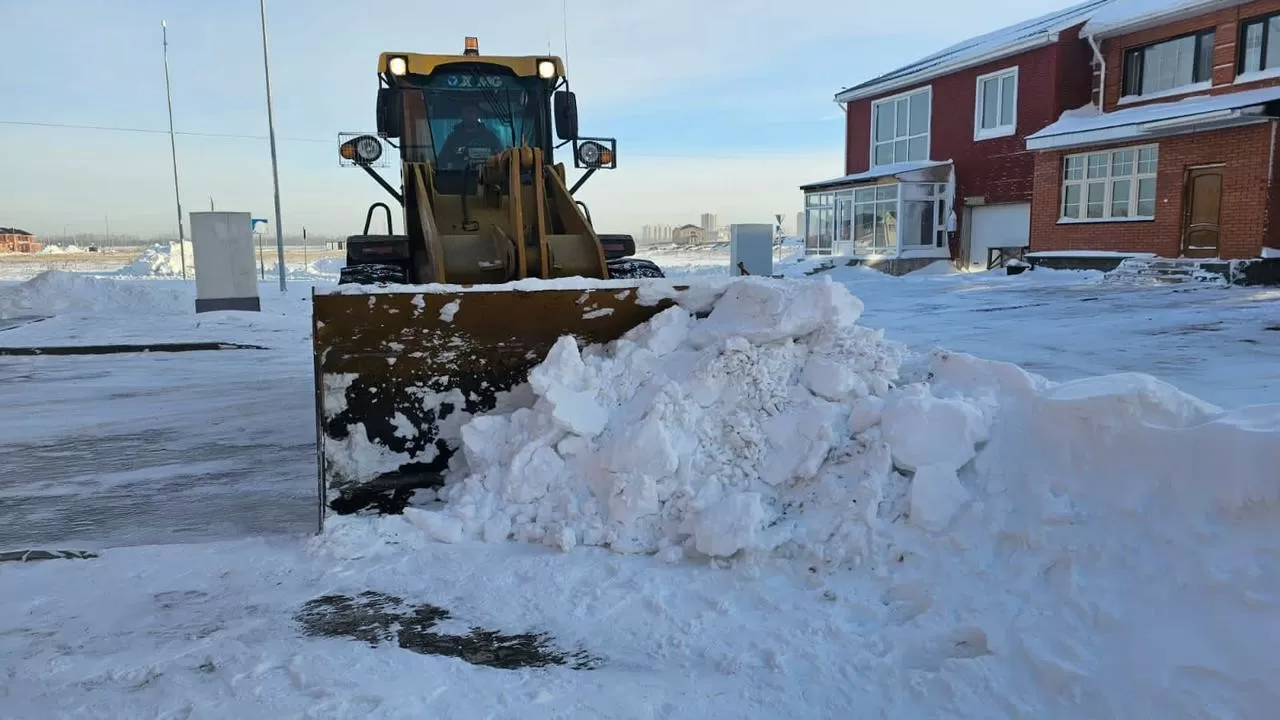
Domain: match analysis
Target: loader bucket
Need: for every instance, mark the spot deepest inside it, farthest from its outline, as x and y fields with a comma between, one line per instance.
x=395, y=372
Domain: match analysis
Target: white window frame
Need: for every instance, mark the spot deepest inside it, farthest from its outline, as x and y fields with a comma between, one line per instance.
x=928, y=126
x=1000, y=130
x=1134, y=177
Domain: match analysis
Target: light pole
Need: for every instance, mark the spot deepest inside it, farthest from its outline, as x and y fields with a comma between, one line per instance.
x=271, y=135
x=173, y=150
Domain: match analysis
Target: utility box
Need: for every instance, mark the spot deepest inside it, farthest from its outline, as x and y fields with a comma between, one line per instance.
x=751, y=249
x=226, y=274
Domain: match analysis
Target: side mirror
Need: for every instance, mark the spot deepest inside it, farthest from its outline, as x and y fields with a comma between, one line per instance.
x=390, y=112
x=566, y=112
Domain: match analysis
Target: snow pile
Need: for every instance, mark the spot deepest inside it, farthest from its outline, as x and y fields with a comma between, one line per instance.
x=56, y=292
x=59, y=250
x=739, y=431
x=163, y=260
x=774, y=424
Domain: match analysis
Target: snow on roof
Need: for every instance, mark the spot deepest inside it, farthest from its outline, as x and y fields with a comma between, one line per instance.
x=991, y=46
x=1083, y=125
x=878, y=172
x=1129, y=15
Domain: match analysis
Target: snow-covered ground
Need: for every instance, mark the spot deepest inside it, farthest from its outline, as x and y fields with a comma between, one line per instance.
x=840, y=525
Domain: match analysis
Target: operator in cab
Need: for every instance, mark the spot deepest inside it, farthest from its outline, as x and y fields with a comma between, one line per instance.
x=470, y=140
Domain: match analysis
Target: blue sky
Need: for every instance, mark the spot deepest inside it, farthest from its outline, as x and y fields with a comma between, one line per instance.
x=721, y=106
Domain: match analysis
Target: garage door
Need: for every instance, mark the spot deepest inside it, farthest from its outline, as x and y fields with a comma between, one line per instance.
x=1007, y=225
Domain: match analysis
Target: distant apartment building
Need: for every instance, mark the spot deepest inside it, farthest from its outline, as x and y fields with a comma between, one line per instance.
x=708, y=222
x=13, y=240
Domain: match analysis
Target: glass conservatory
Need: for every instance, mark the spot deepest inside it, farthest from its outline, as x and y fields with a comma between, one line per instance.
x=889, y=212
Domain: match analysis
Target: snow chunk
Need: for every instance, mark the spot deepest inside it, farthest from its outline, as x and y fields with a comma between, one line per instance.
x=936, y=496
x=449, y=310
x=925, y=430
x=562, y=381
x=729, y=526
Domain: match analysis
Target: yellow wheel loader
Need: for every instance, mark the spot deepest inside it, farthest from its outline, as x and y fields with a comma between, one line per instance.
x=436, y=322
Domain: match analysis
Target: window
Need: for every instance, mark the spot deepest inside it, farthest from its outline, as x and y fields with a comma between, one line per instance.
x=875, y=218
x=924, y=215
x=1169, y=65
x=1259, y=46
x=900, y=128
x=996, y=104
x=819, y=221
x=1110, y=185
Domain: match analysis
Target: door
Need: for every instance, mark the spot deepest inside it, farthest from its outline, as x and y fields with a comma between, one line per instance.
x=1202, y=212
x=991, y=226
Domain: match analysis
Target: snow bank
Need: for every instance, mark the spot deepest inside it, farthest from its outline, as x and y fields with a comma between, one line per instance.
x=1098, y=548
x=777, y=423
x=163, y=259
x=59, y=250
x=56, y=292
x=706, y=436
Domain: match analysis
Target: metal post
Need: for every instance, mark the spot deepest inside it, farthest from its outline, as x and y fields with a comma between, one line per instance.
x=305, y=262
x=173, y=150
x=271, y=134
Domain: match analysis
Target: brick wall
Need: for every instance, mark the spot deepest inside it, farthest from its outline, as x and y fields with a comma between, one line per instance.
x=1225, y=23
x=1050, y=80
x=1245, y=204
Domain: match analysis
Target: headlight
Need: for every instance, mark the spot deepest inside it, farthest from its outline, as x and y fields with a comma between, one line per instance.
x=546, y=69
x=589, y=153
x=362, y=150
x=398, y=66
x=368, y=148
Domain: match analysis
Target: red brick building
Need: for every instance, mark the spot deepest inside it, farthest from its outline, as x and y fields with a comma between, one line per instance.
x=1180, y=158
x=13, y=240
x=940, y=144
x=1138, y=126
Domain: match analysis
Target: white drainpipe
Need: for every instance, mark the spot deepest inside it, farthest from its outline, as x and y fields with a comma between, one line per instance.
x=1102, y=70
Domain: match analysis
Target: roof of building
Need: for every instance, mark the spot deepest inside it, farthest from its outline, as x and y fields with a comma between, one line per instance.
x=12, y=231
x=1085, y=126
x=1011, y=40
x=875, y=173
x=1123, y=16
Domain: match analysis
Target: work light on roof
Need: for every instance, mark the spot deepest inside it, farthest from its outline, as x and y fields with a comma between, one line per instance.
x=546, y=69
x=398, y=65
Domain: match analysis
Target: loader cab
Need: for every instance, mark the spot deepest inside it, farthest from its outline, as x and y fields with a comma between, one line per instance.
x=446, y=116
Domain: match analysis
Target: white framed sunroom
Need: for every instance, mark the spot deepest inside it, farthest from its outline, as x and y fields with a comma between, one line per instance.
x=893, y=211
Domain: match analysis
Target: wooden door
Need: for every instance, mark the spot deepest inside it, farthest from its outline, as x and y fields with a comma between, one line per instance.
x=1202, y=212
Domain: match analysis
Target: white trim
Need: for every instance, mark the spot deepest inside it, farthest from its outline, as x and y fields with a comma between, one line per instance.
x=1171, y=92
x=928, y=132
x=999, y=130
x=1156, y=19
x=1137, y=132
x=1185, y=120
x=937, y=71
x=1243, y=78
x=1134, y=177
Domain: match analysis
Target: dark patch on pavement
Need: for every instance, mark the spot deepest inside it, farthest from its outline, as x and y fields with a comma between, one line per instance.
x=117, y=349
x=33, y=555
x=375, y=618
x=19, y=321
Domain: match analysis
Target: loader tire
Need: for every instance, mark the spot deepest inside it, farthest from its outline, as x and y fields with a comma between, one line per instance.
x=371, y=274
x=632, y=268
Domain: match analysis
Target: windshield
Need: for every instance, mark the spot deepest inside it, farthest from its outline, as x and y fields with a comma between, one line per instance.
x=465, y=113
